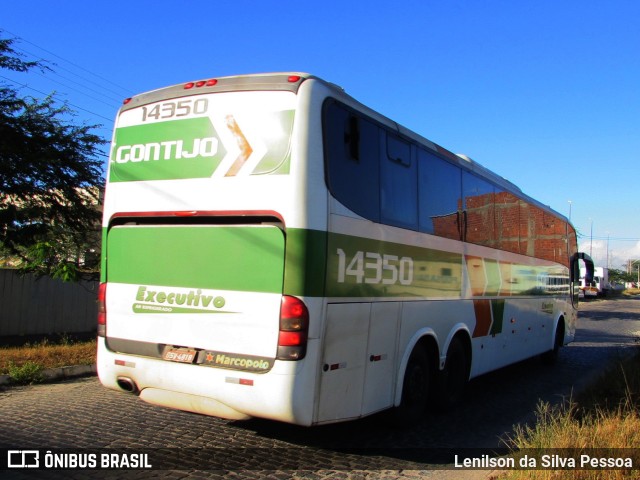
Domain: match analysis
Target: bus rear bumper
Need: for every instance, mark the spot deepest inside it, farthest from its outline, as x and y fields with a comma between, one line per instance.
x=191, y=403
x=223, y=393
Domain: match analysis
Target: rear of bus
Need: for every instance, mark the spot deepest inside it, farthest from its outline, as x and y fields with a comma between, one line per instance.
x=207, y=287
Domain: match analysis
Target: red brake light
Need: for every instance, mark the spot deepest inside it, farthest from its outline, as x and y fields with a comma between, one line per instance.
x=102, y=310
x=292, y=339
x=294, y=328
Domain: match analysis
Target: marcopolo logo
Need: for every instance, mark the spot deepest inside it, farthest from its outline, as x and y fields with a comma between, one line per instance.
x=176, y=149
x=238, y=362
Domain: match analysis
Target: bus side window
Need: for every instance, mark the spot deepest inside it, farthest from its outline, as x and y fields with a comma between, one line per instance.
x=354, y=182
x=352, y=138
x=507, y=214
x=398, y=183
x=479, y=210
x=439, y=196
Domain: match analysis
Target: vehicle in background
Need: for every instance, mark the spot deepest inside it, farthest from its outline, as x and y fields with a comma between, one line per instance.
x=599, y=286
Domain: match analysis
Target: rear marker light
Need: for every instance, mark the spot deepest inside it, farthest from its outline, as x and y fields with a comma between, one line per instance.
x=102, y=310
x=124, y=363
x=126, y=100
x=293, y=78
x=294, y=328
x=239, y=381
x=201, y=83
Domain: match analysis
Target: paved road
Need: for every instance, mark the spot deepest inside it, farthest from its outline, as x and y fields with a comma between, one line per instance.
x=80, y=414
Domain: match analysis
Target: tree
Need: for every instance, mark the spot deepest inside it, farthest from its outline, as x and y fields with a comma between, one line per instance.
x=625, y=276
x=51, y=178
x=619, y=276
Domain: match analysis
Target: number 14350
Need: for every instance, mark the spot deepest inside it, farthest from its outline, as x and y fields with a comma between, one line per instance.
x=375, y=268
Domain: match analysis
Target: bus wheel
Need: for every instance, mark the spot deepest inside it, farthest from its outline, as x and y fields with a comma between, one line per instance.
x=453, y=378
x=415, y=389
x=551, y=357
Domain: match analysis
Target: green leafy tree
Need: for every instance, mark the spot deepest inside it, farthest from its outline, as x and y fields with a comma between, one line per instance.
x=619, y=276
x=50, y=181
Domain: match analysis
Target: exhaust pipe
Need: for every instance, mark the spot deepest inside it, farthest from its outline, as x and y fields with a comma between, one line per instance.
x=126, y=384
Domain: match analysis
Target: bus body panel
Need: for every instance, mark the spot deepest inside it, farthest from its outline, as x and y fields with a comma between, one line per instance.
x=213, y=288
x=244, y=167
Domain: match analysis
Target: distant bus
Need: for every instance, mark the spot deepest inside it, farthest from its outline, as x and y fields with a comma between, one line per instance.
x=273, y=248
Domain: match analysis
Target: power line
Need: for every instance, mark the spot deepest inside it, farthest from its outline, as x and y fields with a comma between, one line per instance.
x=617, y=239
x=70, y=62
x=84, y=80
x=101, y=93
x=110, y=103
x=55, y=96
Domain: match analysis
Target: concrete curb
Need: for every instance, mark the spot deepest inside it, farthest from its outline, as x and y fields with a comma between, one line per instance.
x=60, y=373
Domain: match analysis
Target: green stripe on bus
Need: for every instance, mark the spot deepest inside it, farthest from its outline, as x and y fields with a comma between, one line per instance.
x=103, y=256
x=306, y=262
x=363, y=267
x=314, y=264
x=243, y=258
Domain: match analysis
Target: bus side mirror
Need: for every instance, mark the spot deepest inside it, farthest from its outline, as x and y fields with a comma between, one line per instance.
x=588, y=262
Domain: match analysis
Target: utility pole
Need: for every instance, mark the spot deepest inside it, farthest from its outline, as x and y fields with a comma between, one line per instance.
x=591, y=243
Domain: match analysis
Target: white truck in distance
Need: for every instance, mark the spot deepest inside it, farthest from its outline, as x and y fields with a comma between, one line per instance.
x=600, y=283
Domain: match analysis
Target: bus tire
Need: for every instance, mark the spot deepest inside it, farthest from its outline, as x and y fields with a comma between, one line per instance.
x=452, y=380
x=415, y=389
x=551, y=357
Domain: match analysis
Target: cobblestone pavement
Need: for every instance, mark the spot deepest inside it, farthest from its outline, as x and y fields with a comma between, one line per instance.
x=81, y=414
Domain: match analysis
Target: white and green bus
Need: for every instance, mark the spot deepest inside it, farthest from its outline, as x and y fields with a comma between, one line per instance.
x=273, y=248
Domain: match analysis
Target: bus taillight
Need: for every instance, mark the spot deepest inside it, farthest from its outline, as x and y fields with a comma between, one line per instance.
x=102, y=310
x=294, y=327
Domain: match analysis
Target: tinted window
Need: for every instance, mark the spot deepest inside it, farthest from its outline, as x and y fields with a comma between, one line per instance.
x=398, y=181
x=439, y=195
x=382, y=177
x=529, y=215
x=507, y=221
x=551, y=239
x=479, y=210
x=352, y=148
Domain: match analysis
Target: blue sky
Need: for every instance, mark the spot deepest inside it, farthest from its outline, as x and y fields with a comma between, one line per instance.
x=545, y=93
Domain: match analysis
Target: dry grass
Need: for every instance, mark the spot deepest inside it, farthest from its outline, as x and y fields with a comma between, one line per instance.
x=48, y=355
x=606, y=417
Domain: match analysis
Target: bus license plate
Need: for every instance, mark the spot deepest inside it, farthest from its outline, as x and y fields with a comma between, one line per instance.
x=182, y=355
